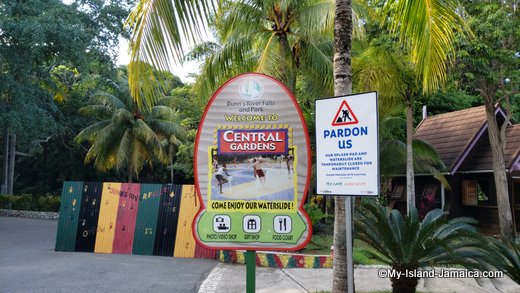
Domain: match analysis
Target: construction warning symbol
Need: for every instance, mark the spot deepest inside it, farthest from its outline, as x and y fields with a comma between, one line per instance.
x=344, y=116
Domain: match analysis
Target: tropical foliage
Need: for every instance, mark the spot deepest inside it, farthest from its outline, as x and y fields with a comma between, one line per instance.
x=37, y=40
x=427, y=29
x=162, y=30
x=406, y=243
x=126, y=138
x=56, y=59
x=488, y=68
x=505, y=257
x=280, y=38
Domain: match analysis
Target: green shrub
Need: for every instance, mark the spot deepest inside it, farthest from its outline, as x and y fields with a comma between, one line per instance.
x=23, y=202
x=6, y=201
x=29, y=202
x=314, y=212
x=49, y=203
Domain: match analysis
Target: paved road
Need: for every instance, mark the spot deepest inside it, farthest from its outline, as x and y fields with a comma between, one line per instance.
x=28, y=263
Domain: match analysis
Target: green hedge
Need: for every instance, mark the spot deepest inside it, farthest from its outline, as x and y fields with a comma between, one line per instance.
x=49, y=203
x=29, y=202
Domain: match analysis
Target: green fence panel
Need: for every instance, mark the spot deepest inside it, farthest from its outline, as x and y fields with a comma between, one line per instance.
x=146, y=221
x=69, y=215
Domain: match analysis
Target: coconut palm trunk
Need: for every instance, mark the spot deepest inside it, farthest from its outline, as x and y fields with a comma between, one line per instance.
x=129, y=173
x=402, y=284
x=285, y=52
x=342, y=86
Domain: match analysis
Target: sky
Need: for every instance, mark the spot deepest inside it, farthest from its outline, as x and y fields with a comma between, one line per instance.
x=181, y=71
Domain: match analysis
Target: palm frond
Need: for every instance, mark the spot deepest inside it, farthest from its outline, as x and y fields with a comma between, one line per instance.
x=90, y=133
x=103, y=151
x=316, y=60
x=428, y=28
x=124, y=150
x=149, y=139
x=110, y=101
x=98, y=111
x=164, y=113
x=505, y=256
x=159, y=30
x=408, y=242
x=167, y=128
x=202, y=51
x=315, y=19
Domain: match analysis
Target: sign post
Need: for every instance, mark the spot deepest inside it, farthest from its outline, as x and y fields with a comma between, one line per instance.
x=252, y=170
x=250, y=271
x=347, y=154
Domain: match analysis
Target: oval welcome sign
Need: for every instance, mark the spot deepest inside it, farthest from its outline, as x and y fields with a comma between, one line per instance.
x=252, y=168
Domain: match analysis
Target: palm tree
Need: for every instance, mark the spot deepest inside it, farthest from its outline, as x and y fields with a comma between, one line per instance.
x=156, y=35
x=505, y=256
x=279, y=38
x=407, y=244
x=126, y=137
x=427, y=30
x=342, y=86
x=162, y=30
x=275, y=37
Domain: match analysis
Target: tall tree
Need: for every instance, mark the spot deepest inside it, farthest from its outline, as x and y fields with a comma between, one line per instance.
x=342, y=86
x=126, y=138
x=427, y=28
x=489, y=68
x=161, y=32
x=280, y=38
x=35, y=37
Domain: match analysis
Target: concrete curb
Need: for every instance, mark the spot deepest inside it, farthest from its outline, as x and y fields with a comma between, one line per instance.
x=29, y=214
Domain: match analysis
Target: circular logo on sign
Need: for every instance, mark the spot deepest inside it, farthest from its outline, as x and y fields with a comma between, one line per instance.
x=251, y=89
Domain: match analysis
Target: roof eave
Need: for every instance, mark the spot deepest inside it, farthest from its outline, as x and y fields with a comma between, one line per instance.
x=467, y=149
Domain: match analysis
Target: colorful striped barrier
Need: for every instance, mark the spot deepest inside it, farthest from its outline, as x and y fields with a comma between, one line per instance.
x=126, y=218
x=279, y=260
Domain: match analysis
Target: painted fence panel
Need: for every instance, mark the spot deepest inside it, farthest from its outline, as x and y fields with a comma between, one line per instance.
x=167, y=220
x=184, y=242
x=146, y=222
x=201, y=252
x=88, y=217
x=69, y=215
x=107, y=217
x=152, y=219
x=126, y=216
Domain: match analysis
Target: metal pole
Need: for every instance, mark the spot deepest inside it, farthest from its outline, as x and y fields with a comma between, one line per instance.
x=350, y=263
x=250, y=271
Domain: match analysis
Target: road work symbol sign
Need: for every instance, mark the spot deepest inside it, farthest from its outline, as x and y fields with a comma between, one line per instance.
x=344, y=115
x=347, y=150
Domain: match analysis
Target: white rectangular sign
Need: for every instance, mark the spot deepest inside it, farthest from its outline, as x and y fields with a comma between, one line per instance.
x=347, y=145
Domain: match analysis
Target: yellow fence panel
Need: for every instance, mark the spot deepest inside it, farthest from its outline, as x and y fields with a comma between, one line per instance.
x=185, y=243
x=107, y=217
